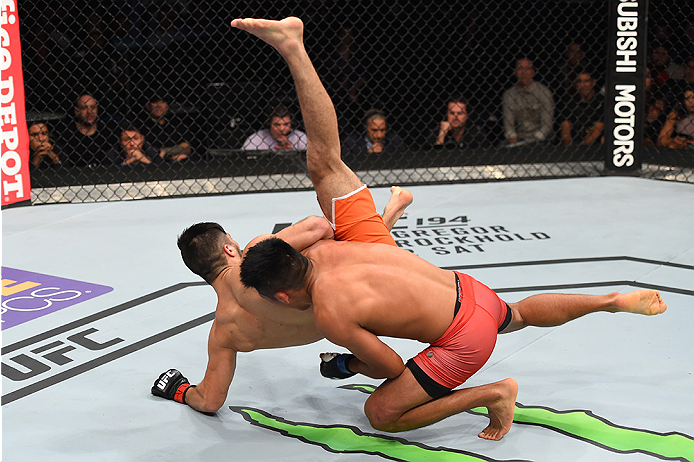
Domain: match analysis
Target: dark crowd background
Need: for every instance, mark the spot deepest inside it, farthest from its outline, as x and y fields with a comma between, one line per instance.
x=405, y=59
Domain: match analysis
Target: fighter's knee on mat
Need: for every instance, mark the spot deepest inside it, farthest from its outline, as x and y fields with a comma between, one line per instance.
x=380, y=416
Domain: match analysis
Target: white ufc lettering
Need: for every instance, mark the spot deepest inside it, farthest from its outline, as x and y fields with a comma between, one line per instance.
x=165, y=380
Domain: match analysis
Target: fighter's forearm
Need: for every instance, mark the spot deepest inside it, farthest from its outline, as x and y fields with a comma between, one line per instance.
x=307, y=232
x=376, y=372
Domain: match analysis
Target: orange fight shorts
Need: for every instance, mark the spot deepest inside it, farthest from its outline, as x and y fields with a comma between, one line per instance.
x=467, y=343
x=354, y=218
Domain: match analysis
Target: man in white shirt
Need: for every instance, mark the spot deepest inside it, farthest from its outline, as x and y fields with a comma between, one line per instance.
x=279, y=136
x=528, y=107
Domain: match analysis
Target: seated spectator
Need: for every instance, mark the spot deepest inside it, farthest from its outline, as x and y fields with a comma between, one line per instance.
x=528, y=107
x=132, y=149
x=455, y=131
x=279, y=136
x=375, y=139
x=582, y=116
x=662, y=67
x=655, y=113
x=653, y=122
x=574, y=62
x=678, y=131
x=674, y=88
x=41, y=147
x=85, y=139
x=166, y=134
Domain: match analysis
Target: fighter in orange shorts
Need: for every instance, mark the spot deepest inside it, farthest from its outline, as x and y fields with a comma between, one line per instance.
x=354, y=218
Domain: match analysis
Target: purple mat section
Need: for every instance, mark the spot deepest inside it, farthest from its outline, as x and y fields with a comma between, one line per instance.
x=27, y=295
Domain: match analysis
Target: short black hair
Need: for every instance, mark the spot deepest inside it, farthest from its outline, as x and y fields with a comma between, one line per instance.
x=272, y=265
x=280, y=111
x=128, y=126
x=156, y=99
x=457, y=98
x=372, y=114
x=202, y=249
x=86, y=93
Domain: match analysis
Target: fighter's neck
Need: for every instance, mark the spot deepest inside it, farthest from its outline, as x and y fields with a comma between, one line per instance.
x=310, y=277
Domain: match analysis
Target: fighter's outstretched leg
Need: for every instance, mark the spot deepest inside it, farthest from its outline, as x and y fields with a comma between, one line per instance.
x=546, y=310
x=331, y=177
x=286, y=36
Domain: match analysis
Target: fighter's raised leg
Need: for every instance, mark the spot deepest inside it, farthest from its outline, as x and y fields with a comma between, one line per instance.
x=330, y=176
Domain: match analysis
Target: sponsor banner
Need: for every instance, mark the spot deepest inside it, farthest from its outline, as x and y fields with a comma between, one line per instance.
x=14, y=137
x=27, y=295
x=625, y=85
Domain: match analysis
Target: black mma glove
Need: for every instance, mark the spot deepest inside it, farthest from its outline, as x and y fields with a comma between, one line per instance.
x=172, y=385
x=336, y=365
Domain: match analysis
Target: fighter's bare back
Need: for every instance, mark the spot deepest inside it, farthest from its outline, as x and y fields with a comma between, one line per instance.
x=375, y=284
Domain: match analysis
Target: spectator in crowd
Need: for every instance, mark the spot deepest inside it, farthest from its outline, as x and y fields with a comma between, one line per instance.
x=652, y=91
x=574, y=62
x=688, y=39
x=678, y=131
x=455, y=131
x=279, y=136
x=166, y=134
x=375, y=138
x=653, y=122
x=662, y=67
x=132, y=149
x=528, y=107
x=85, y=139
x=655, y=110
x=673, y=88
x=41, y=147
x=582, y=118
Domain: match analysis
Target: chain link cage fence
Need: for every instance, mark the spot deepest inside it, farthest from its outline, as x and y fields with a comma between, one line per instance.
x=207, y=99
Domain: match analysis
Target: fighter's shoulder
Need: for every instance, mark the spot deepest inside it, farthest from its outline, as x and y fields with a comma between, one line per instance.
x=257, y=239
x=231, y=327
x=335, y=308
x=228, y=310
x=336, y=287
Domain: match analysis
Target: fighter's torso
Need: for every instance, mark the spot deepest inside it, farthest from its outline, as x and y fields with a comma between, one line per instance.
x=387, y=290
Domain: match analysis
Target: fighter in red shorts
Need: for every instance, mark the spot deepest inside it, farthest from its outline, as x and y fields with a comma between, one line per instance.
x=360, y=293
x=468, y=342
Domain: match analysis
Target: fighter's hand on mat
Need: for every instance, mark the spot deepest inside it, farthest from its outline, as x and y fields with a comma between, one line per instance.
x=172, y=385
x=336, y=365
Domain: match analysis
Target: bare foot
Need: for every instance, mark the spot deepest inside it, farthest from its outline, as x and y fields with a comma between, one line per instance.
x=648, y=302
x=501, y=412
x=284, y=35
x=399, y=200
